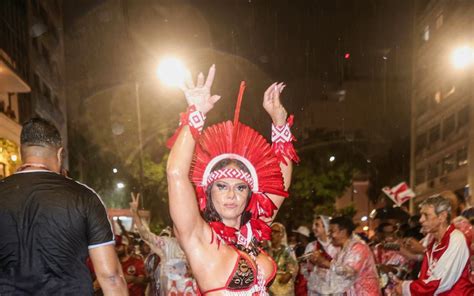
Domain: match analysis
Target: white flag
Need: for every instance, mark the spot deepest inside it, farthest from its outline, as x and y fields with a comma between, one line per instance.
x=399, y=193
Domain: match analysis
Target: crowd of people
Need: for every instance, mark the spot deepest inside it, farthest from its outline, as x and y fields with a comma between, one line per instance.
x=332, y=260
x=226, y=184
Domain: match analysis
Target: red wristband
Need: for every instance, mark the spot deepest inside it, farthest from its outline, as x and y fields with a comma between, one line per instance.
x=282, y=139
x=194, y=119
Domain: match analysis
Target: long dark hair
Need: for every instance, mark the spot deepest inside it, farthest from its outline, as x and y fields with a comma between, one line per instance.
x=210, y=213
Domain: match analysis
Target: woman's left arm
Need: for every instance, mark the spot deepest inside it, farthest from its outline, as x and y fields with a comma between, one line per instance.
x=276, y=110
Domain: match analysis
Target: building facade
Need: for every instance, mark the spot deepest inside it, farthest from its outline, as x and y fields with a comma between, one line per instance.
x=31, y=72
x=14, y=77
x=442, y=94
x=46, y=48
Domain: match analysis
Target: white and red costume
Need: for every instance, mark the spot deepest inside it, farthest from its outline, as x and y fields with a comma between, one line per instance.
x=445, y=269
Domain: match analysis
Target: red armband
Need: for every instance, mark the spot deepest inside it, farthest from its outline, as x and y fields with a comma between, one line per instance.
x=282, y=142
x=194, y=119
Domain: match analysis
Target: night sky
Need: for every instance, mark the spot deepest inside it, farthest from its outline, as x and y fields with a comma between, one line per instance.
x=300, y=42
x=347, y=64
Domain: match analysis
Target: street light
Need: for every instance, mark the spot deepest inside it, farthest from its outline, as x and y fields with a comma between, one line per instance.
x=171, y=71
x=462, y=57
x=332, y=158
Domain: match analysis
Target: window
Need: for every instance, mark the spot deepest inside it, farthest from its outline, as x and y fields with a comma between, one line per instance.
x=422, y=105
x=463, y=117
x=461, y=157
x=433, y=170
x=46, y=91
x=421, y=142
x=420, y=176
x=449, y=163
x=439, y=21
x=55, y=100
x=447, y=88
x=449, y=124
x=437, y=96
x=426, y=34
x=434, y=134
x=37, y=83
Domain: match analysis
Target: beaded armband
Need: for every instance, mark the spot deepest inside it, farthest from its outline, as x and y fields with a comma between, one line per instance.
x=282, y=142
x=194, y=119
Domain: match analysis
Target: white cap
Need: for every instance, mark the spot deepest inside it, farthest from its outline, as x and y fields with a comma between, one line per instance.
x=303, y=230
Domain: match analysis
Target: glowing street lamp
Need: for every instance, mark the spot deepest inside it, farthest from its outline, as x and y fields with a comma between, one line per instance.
x=171, y=71
x=332, y=158
x=462, y=57
x=120, y=185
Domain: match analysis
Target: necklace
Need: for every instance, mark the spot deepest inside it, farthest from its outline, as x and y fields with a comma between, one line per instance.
x=32, y=165
x=251, y=249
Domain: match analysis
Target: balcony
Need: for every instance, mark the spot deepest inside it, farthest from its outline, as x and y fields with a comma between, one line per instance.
x=9, y=129
x=10, y=82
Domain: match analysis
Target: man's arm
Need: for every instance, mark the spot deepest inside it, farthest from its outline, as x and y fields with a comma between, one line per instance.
x=108, y=270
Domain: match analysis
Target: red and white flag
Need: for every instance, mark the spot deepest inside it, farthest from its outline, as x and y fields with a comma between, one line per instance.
x=399, y=193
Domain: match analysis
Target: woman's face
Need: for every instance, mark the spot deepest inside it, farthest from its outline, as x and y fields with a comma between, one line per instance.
x=229, y=197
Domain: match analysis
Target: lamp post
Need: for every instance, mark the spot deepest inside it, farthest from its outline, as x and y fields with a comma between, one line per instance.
x=171, y=71
x=140, y=138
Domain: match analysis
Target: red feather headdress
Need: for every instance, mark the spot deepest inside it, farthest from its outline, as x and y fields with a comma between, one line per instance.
x=234, y=140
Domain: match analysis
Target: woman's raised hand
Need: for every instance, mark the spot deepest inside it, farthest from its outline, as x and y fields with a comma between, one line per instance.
x=272, y=104
x=135, y=201
x=199, y=94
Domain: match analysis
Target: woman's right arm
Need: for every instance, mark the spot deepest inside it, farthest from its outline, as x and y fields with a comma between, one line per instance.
x=182, y=198
x=184, y=209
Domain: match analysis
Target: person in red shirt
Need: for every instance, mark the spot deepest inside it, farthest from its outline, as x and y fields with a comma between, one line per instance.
x=133, y=268
x=446, y=264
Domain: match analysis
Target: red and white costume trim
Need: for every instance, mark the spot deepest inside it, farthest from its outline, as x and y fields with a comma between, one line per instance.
x=194, y=119
x=282, y=139
x=237, y=141
x=234, y=140
x=445, y=268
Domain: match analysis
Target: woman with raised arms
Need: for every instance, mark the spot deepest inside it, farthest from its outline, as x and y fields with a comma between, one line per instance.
x=240, y=181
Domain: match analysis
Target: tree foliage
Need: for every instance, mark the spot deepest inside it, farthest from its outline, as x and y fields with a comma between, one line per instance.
x=317, y=182
x=314, y=191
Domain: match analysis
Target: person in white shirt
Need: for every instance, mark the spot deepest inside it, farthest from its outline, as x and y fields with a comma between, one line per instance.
x=322, y=245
